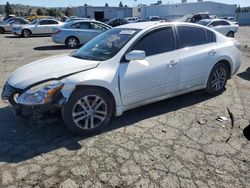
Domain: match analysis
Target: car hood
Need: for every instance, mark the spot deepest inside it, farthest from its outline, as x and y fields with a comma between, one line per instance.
x=48, y=69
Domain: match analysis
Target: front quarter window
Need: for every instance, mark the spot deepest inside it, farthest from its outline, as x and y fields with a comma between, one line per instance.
x=106, y=45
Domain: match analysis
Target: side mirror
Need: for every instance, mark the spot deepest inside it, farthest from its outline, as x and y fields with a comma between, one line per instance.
x=135, y=55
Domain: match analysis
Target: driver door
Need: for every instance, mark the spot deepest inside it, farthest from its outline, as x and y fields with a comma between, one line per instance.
x=156, y=75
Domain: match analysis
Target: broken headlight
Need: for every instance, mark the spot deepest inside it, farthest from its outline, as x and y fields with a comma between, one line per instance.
x=41, y=94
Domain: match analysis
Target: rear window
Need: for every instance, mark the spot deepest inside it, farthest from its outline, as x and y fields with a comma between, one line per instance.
x=191, y=36
x=210, y=36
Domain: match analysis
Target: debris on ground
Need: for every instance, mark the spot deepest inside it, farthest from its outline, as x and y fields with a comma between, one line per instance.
x=222, y=118
x=202, y=121
x=232, y=123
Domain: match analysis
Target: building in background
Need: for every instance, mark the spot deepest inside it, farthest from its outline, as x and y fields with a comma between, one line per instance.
x=172, y=11
x=103, y=13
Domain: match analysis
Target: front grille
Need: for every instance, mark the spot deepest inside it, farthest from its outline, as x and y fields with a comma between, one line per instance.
x=8, y=91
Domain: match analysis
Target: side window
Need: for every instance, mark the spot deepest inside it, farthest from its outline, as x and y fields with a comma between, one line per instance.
x=215, y=23
x=162, y=38
x=75, y=26
x=43, y=22
x=81, y=25
x=204, y=16
x=210, y=36
x=224, y=23
x=191, y=36
x=52, y=22
x=97, y=26
x=84, y=25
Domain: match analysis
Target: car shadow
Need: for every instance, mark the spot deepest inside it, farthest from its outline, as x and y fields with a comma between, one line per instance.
x=20, y=141
x=245, y=75
x=52, y=47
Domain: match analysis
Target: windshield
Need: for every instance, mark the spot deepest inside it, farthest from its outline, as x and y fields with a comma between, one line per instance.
x=106, y=45
x=203, y=22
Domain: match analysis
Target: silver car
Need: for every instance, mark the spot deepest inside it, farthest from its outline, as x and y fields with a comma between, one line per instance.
x=9, y=24
x=77, y=33
x=40, y=27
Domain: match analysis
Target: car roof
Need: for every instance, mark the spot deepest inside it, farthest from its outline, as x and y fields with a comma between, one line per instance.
x=49, y=19
x=152, y=24
x=138, y=25
x=87, y=20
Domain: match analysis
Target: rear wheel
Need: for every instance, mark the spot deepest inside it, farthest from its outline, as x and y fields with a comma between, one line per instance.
x=217, y=79
x=87, y=111
x=72, y=42
x=1, y=30
x=26, y=33
x=230, y=34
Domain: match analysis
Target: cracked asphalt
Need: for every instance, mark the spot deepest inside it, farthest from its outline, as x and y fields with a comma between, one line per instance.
x=173, y=143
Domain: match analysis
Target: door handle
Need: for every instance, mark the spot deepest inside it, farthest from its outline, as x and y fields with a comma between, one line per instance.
x=172, y=63
x=212, y=52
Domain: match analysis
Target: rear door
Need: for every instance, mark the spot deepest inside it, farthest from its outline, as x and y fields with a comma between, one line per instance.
x=197, y=55
x=41, y=27
x=155, y=76
x=83, y=31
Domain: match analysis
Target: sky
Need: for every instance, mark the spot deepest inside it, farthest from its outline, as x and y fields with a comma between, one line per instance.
x=65, y=3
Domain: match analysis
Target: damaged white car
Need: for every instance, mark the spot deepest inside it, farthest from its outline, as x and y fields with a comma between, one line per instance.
x=126, y=67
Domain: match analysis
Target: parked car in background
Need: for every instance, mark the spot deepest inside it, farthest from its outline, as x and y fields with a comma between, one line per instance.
x=125, y=67
x=232, y=20
x=77, y=19
x=9, y=24
x=77, y=33
x=223, y=26
x=116, y=22
x=132, y=19
x=153, y=18
x=194, y=18
x=38, y=27
x=9, y=16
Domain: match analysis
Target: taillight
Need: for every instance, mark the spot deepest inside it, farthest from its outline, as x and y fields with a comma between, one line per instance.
x=57, y=31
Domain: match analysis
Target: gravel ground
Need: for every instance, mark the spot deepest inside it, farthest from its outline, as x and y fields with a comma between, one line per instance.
x=159, y=145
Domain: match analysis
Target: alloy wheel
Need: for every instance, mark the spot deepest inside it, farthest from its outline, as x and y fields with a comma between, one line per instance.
x=72, y=42
x=219, y=79
x=89, y=112
x=26, y=33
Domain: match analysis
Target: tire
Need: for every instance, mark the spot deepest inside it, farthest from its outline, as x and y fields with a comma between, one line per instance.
x=230, y=34
x=26, y=33
x=2, y=31
x=72, y=42
x=87, y=111
x=217, y=79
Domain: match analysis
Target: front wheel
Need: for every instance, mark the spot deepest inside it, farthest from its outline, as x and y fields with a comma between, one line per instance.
x=87, y=111
x=217, y=79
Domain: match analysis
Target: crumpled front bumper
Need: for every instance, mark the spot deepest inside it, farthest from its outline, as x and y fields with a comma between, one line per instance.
x=32, y=112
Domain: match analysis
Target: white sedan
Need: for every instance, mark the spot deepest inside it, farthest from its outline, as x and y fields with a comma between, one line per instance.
x=125, y=67
x=223, y=26
x=37, y=27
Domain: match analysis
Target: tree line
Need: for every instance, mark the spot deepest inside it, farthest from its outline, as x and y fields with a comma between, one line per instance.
x=22, y=10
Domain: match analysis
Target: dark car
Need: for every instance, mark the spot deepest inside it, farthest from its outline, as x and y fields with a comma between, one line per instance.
x=194, y=18
x=116, y=22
